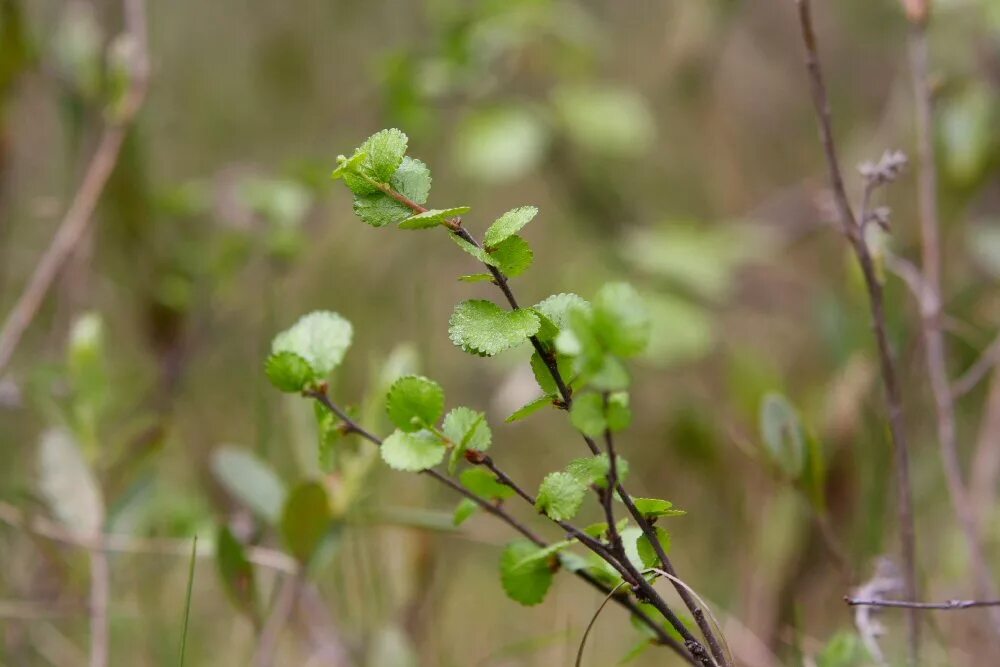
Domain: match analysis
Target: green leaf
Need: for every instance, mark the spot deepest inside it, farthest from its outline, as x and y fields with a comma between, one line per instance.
x=412, y=179
x=529, y=409
x=412, y=452
x=432, y=218
x=594, y=470
x=652, y=508
x=236, y=572
x=484, y=484
x=645, y=548
x=414, y=402
x=467, y=429
x=617, y=411
x=620, y=319
x=347, y=167
x=476, y=278
x=385, y=151
x=524, y=581
x=329, y=434
x=546, y=553
x=306, y=520
x=513, y=256
x=321, y=338
x=587, y=415
x=465, y=509
x=558, y=306
x=560, y=495
x=379, y=209
x=609, y=122
x=68, y=484
x=844, y=649
x=641, y=647
x=474, y=250
x=288, y=371
x=500, y=143
x=548, y=330
x=483, y=328
x=250, y=480
x=782, y=434
x=508, y=224
x=544, y=376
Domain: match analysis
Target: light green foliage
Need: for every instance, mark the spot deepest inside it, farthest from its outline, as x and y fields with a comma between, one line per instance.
x=968, y=133
x=467, y=429
x=328, y=435
x=412, y=452
x=484, y=484
x=412, y=180
x=544, y=377
x=306, y=520
x=250, y=480
x=525, y=580
x=621, y=320
x=385, y=151
x=558, y=306
x=68, y=484
x=529, y=409
x=680, y=331
x=483, y=328
x=465, y=509
x=587, y=414
x=414, y=402
x=610, y=122
x=513, y=255
x=618, y=412
x=289, y=372
x=321, y=338
x=474, y=250
x=600, y=530
x=652, y=508
x=647, y=553
x=236, y=572
x=476, y=278
x=844, y=649
x=508, y=224
x=594, y=470
x=500, y=143
x=432, y=218
x=560, y=495
x=782, y=434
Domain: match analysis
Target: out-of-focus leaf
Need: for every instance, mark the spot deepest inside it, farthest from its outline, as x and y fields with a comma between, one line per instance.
x=236, y=572
x=782, y=433
x=392, y=648
x=844, y=649
x=968, y=124
x=305, y=520
x=321, y=338
x=607, y=121
x=250, y=480
x=500, y=144
x=681, y=331
x=983, y=243
x=464, y=510
x=68, y=483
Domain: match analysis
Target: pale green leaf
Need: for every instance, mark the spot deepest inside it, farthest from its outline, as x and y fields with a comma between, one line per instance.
x=594, y=470
x=560, y=495
x=473, y=250
x=412, y=452
x=513, y=255
x=432, y=218
x=68, y=484
x=465, y=509
x=587, y=414
x=467, y=429
x=618, y=412
x=305, y=520
x=647, y=553
x=527, y=583
x=529, y=409
x=476, y=278
x=414, y=402
x=483, y=328
x=321, y=338
x=652, y=508
x=558, y=306
x=508, y=224
x=483, y=483
x=250, y=480
x=620, y=319
x=782, y=434
x=385, y=151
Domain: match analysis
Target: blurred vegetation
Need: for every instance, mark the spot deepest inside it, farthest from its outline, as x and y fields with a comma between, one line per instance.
x=669, y=144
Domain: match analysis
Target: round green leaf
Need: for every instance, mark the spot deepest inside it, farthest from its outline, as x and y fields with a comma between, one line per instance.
x=414, y=402
x=560, y=495
x=508, y=224
x=524, y=579
x=288, y=371
x=482, y=327
x=250, y=480
x=305, y=520
x=321, y=338
x=412, y=452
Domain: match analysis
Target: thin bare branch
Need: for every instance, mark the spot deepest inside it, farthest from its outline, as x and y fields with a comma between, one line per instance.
x=852, y=230
x=100, y=594
x=979, y=369
x=947, y=605
x=79, y=216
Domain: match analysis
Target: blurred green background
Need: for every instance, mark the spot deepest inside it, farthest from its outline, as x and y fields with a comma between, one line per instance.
x=671, y=144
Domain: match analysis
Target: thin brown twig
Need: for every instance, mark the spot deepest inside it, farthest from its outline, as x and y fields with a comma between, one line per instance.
x=934, y=342
x=79, y=216
x=979, y=369
x=894, y=404
x=100, y=594
x=947, y=605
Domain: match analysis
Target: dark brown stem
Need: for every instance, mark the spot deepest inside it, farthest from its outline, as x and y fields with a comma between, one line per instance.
x=894, y=404
x=663, y=638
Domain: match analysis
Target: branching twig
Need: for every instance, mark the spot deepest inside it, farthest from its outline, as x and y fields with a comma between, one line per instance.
x=947, y=605
x=80, y=213
x=934, y=342
x=852, y=230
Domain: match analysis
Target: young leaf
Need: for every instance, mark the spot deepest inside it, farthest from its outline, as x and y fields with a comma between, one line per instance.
x=432, y=218
x=385, y=151
x=348, y=167
x=236, y=572
x=621, y=320
x=529, y=409
x=467, y=429
x=321, y=338
x=508, y=224
x=594, y=470
x=305, y=520
x=646, y=551
x=513, y=256
x=412, y=452
x=68, y=483
x=525, y=583
x=465, y=508
x=328, y=435
x=379, y=209
x=484, y=328
x=617, y=411
x=250, y=480
x=587, y=414
x=560, y=495
x=558, y=306
x=782, y=434
x=652, y=508
x=288, y=371
x=414, y=402
x=544, y=376
x=474, y=250
x=412, y=180
x=476, y=278
x=482, y=483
